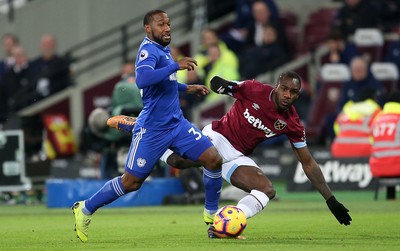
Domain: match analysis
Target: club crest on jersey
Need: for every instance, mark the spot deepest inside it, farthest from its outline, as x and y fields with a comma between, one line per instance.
x=143, y=55
x=141, y=162
x=255, y=106
x=279, y=124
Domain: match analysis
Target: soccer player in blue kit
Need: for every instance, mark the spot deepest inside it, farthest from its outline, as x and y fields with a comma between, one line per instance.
x=159, y=126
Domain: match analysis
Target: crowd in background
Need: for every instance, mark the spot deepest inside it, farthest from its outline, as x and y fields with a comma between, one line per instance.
x=257, y=42
x=25, y=80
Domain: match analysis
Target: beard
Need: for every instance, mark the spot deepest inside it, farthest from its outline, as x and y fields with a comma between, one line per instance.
x=160, y=40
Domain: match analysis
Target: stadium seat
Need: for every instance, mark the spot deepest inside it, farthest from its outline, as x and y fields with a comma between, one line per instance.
x=293, y=35
x=323, y=16
x=288, y=18
x=317, y=28
x=314, y=35
x=333, y=77
x=386, y=73
x=369, y=41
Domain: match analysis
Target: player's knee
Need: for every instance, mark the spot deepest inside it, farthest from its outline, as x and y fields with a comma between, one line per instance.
x=269, y=191
x=131, y=187
x=130, y=184
x=214, y=163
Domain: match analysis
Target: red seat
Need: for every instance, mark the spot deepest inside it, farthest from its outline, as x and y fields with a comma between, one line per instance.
x=293, y=36
x=288, y=18
x=322, y=16
x=314, y=35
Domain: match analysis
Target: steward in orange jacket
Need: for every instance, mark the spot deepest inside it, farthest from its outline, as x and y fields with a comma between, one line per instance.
x=352, y=127
x=385, y=156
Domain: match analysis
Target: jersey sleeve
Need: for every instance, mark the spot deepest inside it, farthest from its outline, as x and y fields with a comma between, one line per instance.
x=146, y=74
x=242, y=89
x=297, y=136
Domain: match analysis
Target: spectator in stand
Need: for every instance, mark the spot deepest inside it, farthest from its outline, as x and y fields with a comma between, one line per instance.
x=385, y=130
x=251, y=32
x=340, y=50
x=217, y=66
x=244, y=16
x=352, y=126
x=16, y=90
x=9, y=42
x=356, y=14
x=52, y=72
x=264, y=58
x=209, y=38
x=262, y=17
x=361, y=79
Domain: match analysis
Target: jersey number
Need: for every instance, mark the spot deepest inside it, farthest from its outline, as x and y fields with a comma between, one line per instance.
x=384, y=129
x=196, y=133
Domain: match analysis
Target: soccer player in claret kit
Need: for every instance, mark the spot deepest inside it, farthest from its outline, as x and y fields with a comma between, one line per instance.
x=260, y=112
x=159, y=126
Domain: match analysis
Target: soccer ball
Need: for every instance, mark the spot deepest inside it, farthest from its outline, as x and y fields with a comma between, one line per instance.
x=230, y=221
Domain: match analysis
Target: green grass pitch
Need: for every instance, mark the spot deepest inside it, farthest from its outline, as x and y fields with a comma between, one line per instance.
x=296, y=221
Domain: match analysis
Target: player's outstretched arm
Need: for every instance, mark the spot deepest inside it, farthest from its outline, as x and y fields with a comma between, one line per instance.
x=314, y=174
x=222, y=86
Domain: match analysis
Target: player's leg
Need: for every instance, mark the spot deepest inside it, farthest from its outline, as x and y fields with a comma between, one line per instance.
x=176, y=161
x=212, y=180
x=191, y=143
x=251, y=179
x=144, y=152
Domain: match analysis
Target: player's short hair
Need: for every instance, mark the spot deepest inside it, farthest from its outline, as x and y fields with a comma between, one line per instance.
x=292, y=75
x=149, y=16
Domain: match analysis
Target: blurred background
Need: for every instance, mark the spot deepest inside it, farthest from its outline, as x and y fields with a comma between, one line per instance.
x=61, y=60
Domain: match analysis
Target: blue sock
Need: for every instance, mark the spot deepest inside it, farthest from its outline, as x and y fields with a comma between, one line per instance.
x=111, y=191
x=212, y=184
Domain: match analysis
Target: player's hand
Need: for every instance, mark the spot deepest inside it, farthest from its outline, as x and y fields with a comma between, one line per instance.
x=187, y=63
x=199, y=90
x=339, y=211
x=222, y=86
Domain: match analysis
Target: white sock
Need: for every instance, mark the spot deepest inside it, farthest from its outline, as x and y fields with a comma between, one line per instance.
x=253, y=203
x=165, y=156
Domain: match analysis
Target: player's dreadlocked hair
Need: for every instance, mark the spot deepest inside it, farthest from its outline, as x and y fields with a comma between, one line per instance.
x=292, y=75
x=149, y=16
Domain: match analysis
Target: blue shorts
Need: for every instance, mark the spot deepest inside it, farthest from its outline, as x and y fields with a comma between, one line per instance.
x=147, y=146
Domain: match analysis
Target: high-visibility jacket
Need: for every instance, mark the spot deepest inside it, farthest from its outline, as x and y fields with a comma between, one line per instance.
x=352, y=127
x=385, y=155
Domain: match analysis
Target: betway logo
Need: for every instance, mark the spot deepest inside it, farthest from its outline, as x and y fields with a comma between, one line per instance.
x=257, y=123
x=337, y=172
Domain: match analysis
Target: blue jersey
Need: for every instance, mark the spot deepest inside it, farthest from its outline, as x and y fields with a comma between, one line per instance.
x=156, y=77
